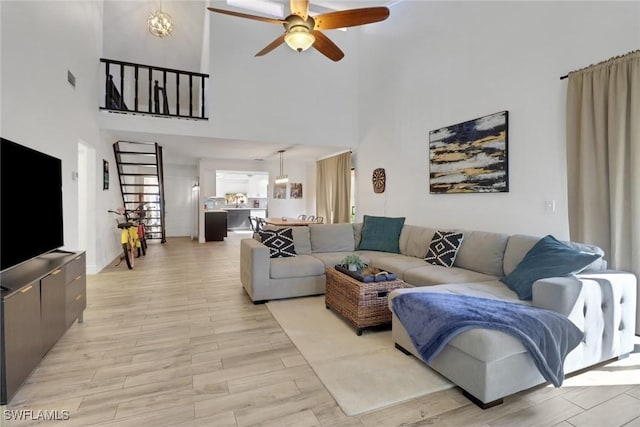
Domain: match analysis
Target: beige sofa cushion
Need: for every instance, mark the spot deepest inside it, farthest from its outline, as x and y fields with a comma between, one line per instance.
x=437, y=274
x=482, y=251
x=393, y=263
x=332, y=238
x=415, y=240
x=301, y=240
x=331, y=259
x=299, y=266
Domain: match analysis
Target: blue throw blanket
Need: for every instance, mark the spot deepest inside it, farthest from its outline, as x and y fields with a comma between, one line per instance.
x=432, y=319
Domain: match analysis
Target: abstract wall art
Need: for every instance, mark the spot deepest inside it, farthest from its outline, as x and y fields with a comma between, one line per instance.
x=470, y=157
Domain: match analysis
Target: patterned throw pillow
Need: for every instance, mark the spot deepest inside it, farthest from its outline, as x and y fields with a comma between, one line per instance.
x=279, y=242
x=444, y=248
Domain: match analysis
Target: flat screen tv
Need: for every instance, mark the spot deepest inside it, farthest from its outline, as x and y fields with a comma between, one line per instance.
x=30, y=204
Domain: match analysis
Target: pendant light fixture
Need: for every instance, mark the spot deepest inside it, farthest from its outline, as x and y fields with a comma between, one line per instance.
x=282, y=178
x=159, y=23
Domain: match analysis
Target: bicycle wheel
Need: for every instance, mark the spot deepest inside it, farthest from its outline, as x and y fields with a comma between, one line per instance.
x=141, y=249
x=143, y=245
x=128, y=255
x=143, y=240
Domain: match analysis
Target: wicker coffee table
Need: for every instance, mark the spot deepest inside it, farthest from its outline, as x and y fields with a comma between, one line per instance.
x=364, y=304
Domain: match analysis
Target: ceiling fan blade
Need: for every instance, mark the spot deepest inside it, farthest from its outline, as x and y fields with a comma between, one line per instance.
x=245, y=15
x=274, y=44
x=326, y=47
x=350, y=18
x=300, y=8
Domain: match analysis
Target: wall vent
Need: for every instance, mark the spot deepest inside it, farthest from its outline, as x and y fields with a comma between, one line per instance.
x=71, y=78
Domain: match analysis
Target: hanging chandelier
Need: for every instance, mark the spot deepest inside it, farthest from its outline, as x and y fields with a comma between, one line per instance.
x=282, y=178
x=159, y=23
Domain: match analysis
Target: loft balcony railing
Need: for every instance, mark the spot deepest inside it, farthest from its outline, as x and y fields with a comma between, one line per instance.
x=144, y=89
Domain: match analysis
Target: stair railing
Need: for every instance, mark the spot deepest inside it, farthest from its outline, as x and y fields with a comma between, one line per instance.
x=140, y=83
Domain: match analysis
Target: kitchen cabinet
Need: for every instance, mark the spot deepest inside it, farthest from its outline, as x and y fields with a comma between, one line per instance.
x=215, y=226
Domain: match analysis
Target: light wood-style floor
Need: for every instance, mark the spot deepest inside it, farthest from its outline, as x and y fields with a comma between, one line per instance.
x=176, y=342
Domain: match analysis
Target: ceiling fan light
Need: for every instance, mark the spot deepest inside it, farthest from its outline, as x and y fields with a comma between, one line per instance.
x=299, y=38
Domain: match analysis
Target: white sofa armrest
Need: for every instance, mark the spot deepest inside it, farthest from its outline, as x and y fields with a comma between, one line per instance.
x=254, y=269
x=559, y=294
x=602, y=304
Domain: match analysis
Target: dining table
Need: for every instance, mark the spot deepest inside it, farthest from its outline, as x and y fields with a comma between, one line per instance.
x=293, y=222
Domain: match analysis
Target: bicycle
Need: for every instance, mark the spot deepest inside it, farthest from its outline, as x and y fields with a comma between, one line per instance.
x=138, y=220
x=128, y=238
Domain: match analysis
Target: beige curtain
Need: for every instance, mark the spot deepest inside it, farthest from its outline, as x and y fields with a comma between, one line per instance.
x=333, y=188
x=603, y=159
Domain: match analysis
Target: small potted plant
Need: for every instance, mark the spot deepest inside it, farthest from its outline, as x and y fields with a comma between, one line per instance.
x=353, y=262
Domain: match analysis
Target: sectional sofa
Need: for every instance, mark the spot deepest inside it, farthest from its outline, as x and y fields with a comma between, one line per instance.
x=486, y=364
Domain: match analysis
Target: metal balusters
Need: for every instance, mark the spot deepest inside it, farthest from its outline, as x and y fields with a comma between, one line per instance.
x=191, y=94
x=150, y=78
x=107, y=87
x=114, y=96
x=202, y=104
x=177, y=94
x=122, y=86
x=164, y=93
x=135, y=102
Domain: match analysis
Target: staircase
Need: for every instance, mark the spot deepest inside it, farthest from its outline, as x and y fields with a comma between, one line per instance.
x=140, y=174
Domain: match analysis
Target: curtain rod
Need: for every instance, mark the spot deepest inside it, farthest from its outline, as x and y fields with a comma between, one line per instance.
x=603, y=62
x=334, y=154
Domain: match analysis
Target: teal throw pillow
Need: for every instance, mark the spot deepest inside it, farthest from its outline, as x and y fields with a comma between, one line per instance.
x=547, y=258
x=381, y=233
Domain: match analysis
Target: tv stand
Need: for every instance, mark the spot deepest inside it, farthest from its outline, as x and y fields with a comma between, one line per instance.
x=41, y=299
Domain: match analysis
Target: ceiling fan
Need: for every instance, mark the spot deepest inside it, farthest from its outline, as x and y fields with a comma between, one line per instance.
x=303, y=31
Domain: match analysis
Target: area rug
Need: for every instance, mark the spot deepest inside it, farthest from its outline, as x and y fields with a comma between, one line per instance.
x=362, y=373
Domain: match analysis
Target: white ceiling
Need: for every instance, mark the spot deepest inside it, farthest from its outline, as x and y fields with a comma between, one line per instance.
x=127, y=39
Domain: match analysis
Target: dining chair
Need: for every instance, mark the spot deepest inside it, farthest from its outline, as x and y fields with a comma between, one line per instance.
x=254, y=224
x=311, y=218
x=319, y=219
x=302, y=217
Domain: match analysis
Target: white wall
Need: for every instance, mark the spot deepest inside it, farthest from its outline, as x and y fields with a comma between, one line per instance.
x=284, y=96
x=40, y=42
x=442, y=63
x=299, y=172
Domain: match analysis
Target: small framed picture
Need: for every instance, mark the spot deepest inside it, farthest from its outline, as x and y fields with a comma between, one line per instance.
x=280, y=191
x=105, y=175
x=295, y=190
